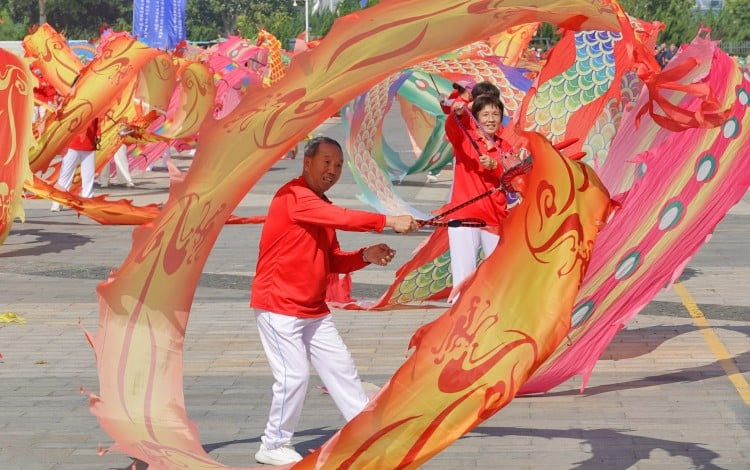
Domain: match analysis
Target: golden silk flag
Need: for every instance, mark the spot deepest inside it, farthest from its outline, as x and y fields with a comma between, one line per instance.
x=54, y=57
x=192, y=103
x=100, y=82
x=156, y=83
x=511, y=43
x=16, y=109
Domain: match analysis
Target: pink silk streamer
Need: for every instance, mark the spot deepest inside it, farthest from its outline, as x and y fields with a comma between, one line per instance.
x=684, y=185
x=619, y=173
x=16, y=108
x=139, y=342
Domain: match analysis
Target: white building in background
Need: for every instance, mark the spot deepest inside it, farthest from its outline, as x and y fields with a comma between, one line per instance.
x=13, y=46
x=323, y=5
x=709, y=5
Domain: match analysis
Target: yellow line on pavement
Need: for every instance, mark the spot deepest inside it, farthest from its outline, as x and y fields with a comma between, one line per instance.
x=717, y=347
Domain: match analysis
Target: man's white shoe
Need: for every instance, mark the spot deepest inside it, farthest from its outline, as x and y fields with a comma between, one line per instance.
x=431, y=178
x=283, y=455
x=130, y=184
x=55, y=207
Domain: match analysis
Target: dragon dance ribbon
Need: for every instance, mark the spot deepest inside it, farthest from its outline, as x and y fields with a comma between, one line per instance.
x=113, y=70
x=17, y=102
x=428, y=404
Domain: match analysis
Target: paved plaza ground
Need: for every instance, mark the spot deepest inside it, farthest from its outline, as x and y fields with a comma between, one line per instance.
x=660, y=397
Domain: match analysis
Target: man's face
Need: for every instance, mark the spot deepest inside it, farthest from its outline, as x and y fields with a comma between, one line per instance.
x=323, y=170
x=489, y=118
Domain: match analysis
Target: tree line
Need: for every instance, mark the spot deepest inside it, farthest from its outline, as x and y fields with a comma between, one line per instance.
x=206, y=20
x=210, y=20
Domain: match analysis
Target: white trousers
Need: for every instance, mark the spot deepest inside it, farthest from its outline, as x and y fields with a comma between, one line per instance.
x=291, y=345
x=121, y=163
x=70, y=162
x=464, y=244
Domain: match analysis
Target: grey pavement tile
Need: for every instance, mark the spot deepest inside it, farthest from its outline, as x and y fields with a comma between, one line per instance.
x=658, y=398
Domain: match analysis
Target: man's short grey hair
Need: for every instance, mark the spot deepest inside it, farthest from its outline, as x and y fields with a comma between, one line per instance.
x=311, y=149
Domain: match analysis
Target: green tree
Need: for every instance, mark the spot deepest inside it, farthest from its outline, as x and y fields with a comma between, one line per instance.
x=731, y=23
x=9, y=30
x=680, y=17
x=211, y=19
x=279, y=18
x=77, y=19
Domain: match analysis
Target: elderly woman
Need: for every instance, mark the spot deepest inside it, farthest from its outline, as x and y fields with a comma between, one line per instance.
x=479, y=150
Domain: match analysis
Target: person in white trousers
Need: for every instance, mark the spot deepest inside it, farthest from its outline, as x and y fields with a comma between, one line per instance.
x=298, y=251
x=121, y=163
x=479, y=150
x=464, y=244
x=81, y=149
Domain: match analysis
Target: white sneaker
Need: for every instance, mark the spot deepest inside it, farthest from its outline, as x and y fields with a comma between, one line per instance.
x=283, y=455
x=130, y=184
x=55, y=207
x=431, y=178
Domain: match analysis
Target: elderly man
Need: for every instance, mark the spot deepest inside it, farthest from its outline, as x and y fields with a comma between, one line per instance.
x=298, y=250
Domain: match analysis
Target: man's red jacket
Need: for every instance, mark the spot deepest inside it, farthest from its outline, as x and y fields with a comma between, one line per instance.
x=298, y=249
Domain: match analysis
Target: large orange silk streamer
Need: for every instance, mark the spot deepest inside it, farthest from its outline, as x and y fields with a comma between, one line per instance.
x=113, y=70
x=118, y=212
x=139, y=342
x=16, y=108
x=54, y=57
x=195, y=102
x=510, y=44
x=156, y=83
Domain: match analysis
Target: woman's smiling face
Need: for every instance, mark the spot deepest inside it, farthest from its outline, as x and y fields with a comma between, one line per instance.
x=489, y=118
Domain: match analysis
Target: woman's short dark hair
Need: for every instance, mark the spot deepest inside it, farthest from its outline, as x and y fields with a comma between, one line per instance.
x=482, y=101
x=311, y=148
x=484, y=88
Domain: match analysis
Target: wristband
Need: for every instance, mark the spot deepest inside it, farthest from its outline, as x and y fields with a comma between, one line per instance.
x=363, y=256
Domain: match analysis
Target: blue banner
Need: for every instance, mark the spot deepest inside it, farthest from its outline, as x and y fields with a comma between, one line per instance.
x=159, y=23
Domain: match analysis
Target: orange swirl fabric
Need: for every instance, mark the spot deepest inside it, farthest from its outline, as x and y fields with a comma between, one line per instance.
x=16, y=108
x=141, y=331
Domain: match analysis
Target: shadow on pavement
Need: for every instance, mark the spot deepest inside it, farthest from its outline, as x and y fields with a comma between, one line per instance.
x=691, y=374
x=634, y=343
x=136, y=465
x=613, y=449
x=321, y=436
x=54, y=242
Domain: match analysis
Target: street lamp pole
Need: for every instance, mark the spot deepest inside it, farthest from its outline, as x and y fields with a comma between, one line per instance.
x=307, y=22
x=307, y=19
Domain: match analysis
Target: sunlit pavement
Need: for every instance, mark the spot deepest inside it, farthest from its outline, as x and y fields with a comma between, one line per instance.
x=662, y=395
